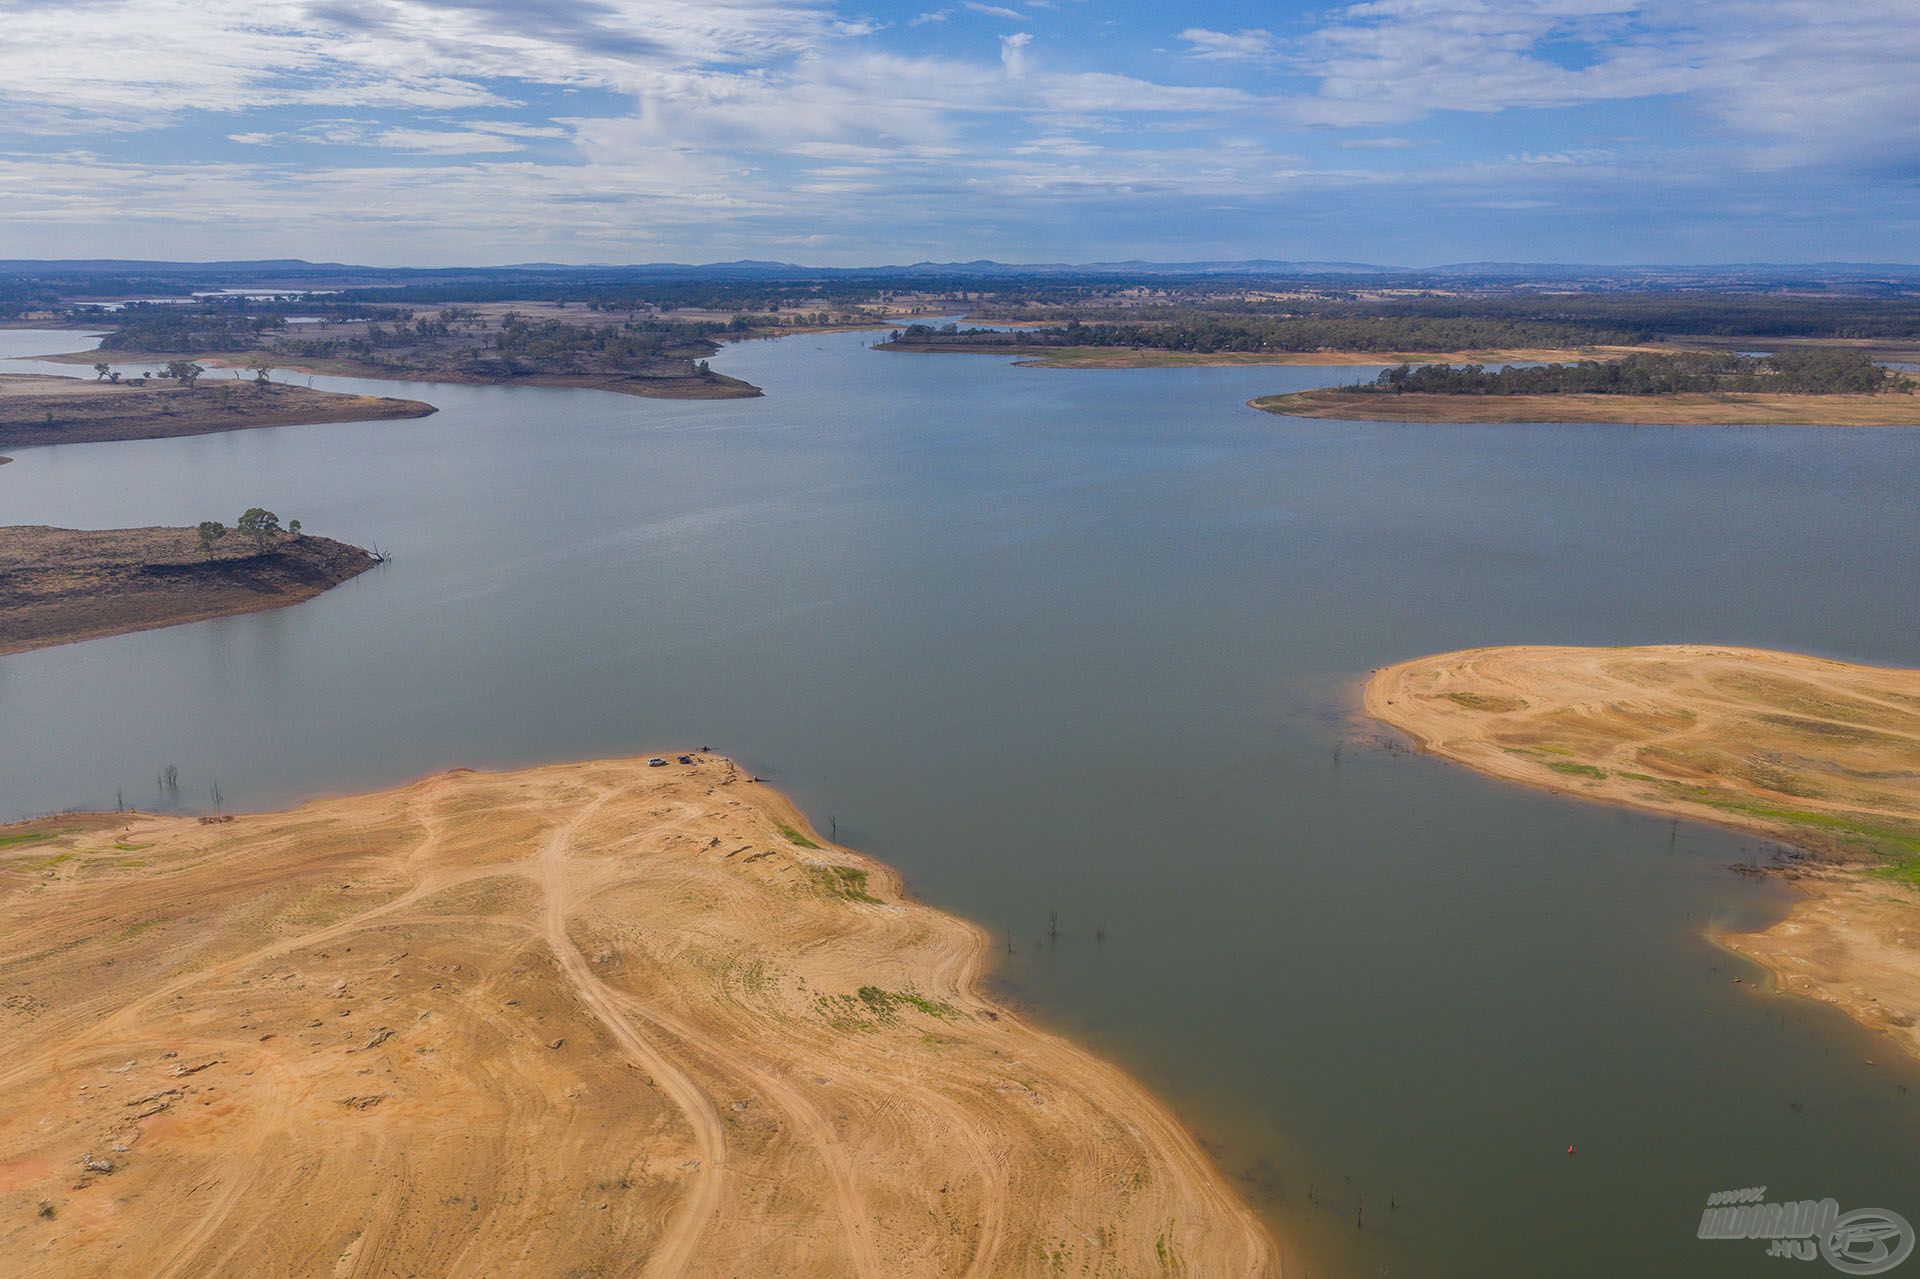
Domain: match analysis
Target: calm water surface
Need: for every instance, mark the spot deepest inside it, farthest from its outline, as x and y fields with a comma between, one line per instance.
x=1088, y=641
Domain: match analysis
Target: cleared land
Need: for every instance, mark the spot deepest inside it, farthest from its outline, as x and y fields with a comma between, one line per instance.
x=61, y=410
x=1727, y=409
x=587, y=1019
x=58, y=585
x=1824, y=755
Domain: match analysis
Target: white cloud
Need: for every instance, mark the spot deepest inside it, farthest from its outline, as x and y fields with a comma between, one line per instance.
x=1013, y=52
x=1248, y=45
x=741, y=113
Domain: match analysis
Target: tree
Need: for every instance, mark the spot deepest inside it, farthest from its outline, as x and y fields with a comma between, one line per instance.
x=100, y=371
x=260, y=523
x=211, y=531
x=293, y=527
x=260, y=372
x=185, y=370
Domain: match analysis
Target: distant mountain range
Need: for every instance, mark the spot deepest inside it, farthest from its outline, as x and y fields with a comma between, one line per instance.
x=295, y=272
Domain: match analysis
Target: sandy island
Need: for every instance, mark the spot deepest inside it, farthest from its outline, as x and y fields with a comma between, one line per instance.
x=1724, y=409
x=1823, y=755
x=586, y=1019
x=58, y=585
x=36, y=409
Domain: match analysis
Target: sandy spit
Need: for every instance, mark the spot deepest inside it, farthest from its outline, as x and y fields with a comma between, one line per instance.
x=596, y=1018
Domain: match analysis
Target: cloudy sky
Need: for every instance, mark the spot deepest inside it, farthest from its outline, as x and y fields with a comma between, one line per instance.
x=1396, y=131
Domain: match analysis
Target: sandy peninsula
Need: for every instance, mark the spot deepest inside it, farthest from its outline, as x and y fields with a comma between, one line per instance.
x=35, y=409
x=1822, y=755
x=586, y=1019
x=1724, y=409
x=59, y=585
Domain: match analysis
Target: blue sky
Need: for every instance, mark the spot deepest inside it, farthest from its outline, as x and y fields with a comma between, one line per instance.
x=1396, y=131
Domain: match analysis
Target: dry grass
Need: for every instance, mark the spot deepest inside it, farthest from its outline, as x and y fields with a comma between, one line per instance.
x=36, y=409
x=58, y=585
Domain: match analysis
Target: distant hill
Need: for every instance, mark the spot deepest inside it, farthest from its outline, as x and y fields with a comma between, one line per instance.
x=124, y=274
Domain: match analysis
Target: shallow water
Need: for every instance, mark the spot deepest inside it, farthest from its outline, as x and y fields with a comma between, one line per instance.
x=1088, y=641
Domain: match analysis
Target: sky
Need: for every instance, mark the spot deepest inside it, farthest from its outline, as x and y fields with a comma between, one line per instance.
x=1403, y=132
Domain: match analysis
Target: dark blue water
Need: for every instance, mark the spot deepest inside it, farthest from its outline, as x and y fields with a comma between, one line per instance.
x=1087, y=641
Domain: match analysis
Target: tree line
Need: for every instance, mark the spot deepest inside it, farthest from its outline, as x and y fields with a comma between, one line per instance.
x=1818, y=372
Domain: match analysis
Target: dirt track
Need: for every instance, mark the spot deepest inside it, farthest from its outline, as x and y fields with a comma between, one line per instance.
x=1824, y=755
x=588, y=1019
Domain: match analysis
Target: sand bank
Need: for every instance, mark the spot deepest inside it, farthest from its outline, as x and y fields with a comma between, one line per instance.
x=1728, y=409
x=1820, y=754
x=586, y=1019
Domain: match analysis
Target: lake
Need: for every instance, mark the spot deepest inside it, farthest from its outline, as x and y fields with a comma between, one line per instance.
x=1089, y=641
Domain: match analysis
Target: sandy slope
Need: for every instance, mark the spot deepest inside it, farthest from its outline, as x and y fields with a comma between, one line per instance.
x=1823, y=754
x=593, y=1019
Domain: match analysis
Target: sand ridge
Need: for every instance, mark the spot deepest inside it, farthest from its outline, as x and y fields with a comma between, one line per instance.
x=591, y=1018
x=1824, y=755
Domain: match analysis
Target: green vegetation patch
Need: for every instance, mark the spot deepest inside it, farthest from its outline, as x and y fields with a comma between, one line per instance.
x=1904, y=871
x=795, y=837
x=30, y=837
x=1486, y=702
x=882, y=1002
x=846, y=882
x=1898, y=843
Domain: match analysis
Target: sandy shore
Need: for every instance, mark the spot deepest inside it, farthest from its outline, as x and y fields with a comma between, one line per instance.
x=586, y=1019
x=1730, y=409
x=1822, y=755
x=35, y=409
x=59, y=585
